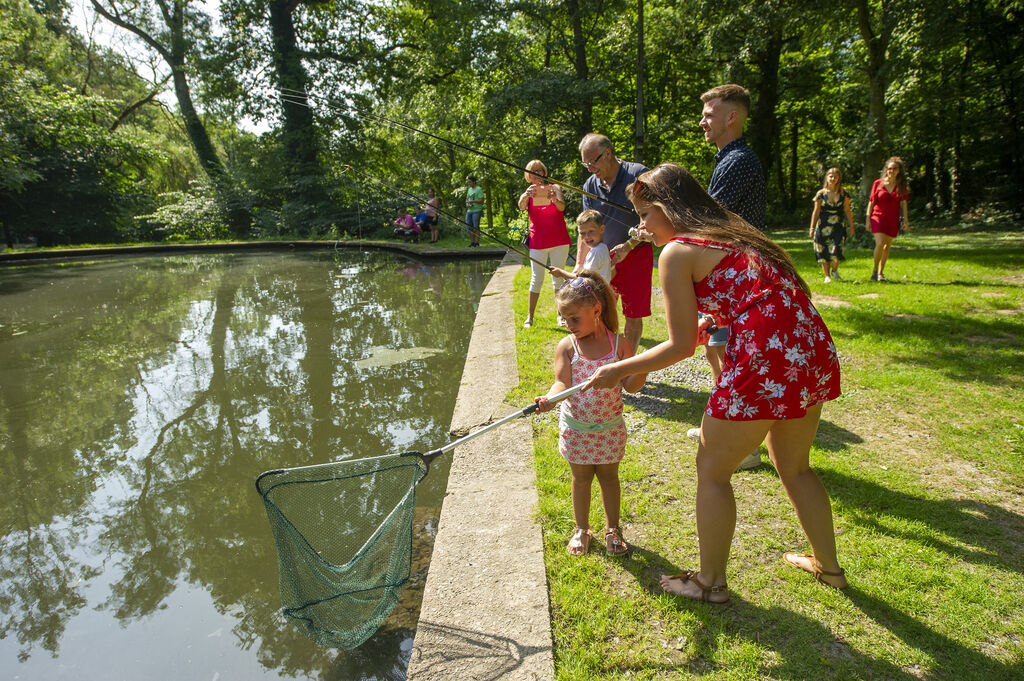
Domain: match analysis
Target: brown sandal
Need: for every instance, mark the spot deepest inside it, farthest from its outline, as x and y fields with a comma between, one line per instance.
x=817, y=571
x=614, y=544
x=580, y=542
x=705, y=591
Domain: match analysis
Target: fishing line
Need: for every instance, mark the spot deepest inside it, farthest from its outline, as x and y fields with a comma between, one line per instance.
x=296, y=98
x=420, y=199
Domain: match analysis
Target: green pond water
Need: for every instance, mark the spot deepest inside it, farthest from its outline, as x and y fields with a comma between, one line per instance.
x=139, y=400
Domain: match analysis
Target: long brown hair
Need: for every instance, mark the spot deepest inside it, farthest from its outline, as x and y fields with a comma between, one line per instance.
x=901, y=174
x=690, y=209
x=839, y=182
x=592, y=289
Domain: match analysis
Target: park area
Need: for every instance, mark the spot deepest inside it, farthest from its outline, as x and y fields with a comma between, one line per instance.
x=922, y=457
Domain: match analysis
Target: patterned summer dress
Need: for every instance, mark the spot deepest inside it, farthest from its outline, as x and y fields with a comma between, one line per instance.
x=830, y=232
x=780, y=358
x=591, y=428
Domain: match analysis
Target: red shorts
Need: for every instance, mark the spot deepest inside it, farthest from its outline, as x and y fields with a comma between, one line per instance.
x=632, y=281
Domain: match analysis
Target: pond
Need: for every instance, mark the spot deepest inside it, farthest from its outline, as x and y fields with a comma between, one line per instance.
x=139, y=400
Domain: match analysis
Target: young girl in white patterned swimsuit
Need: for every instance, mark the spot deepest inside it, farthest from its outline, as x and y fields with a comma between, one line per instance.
x=592, y=434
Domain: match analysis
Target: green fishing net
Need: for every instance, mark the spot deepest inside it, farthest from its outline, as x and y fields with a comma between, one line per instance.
x=344, y=542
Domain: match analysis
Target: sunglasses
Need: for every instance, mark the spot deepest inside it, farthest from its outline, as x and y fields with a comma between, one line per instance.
x=581, y=282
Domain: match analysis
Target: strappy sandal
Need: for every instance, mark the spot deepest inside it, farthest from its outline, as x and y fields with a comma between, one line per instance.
x=705, y=591
x=614, y=544
x=580, y=542
x=817, y=571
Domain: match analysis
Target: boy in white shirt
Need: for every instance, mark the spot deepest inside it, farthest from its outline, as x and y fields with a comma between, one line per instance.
x=590, y=227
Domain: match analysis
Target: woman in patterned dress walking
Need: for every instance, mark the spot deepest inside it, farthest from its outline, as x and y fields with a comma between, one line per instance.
x=780, y=366
x=831, y=203
x=592, y=433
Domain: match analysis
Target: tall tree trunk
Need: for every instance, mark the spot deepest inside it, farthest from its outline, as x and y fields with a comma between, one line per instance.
x=174, y=54
x=794, y=142
x=298, y=134
x=764, y=129
x=579, y=44
x=638, y=145
x=877, y=43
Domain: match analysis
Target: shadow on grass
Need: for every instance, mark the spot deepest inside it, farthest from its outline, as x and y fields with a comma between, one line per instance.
x=963, y=348
x=977, y=532
x=803, y=646
x=834, y=438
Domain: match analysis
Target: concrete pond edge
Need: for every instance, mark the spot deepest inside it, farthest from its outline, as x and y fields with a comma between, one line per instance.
x=485, y=614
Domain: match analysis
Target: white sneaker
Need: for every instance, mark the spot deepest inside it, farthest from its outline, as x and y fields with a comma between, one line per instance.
x=693, y=433
x=752, y=461
x=528, y=323
x=828, y=280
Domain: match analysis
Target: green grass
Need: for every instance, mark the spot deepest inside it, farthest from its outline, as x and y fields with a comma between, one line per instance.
x=922, y=456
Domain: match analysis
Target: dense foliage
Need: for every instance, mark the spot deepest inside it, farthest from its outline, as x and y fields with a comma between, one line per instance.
x=94, y=147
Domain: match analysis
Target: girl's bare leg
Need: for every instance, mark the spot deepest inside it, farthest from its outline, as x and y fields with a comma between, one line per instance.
x=582, y=477
x=611, y=492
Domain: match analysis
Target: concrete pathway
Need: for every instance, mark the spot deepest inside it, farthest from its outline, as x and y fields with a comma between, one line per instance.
x=485, y=613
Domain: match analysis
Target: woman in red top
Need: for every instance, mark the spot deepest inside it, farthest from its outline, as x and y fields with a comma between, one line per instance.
x=780, y=367
x=549, y=238
x=886, y=206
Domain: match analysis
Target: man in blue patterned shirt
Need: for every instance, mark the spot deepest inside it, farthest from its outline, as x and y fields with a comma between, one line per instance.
x=737, y=183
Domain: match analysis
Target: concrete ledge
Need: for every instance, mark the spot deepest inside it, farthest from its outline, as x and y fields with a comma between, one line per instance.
x=485, y=612
x=420, y=252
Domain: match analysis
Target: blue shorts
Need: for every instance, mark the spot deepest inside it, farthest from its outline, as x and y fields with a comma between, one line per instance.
x=719, y=337
x=473, y=220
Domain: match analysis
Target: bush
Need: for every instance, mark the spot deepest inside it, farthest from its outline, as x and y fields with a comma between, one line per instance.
x=195, y=215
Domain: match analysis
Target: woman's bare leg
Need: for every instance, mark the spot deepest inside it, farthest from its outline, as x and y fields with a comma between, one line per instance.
x=723, y=445
x=789, y=445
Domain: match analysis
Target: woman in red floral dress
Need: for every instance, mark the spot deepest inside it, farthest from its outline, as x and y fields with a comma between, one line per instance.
x=780, y=366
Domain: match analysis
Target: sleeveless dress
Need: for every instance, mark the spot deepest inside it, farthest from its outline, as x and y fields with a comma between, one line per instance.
x=780, y=358
x=830, y=232
x=591, y=428
x=885, y=216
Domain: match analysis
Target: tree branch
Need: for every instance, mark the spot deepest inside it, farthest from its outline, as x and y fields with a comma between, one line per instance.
x=139, y=104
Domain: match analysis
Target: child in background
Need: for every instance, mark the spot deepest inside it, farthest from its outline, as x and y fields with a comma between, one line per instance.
x=590, y=227
x=405, y=226
x=592, y=433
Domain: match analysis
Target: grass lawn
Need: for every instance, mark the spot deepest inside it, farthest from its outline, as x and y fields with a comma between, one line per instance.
x=922, y=456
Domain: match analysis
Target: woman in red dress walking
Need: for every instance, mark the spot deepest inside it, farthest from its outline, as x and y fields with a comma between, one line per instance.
x=780, y=366
x=887, y=204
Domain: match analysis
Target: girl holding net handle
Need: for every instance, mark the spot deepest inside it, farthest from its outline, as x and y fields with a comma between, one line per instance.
x=780, y=366
x=592, y=433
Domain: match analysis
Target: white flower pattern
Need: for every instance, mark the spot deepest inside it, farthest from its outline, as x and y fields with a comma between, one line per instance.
x=780, y=358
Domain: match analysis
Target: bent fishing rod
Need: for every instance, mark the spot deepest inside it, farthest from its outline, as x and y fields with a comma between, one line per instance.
x=295, y=97
x=420, y=199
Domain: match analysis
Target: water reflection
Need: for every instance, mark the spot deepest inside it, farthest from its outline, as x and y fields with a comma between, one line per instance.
x=140, y=398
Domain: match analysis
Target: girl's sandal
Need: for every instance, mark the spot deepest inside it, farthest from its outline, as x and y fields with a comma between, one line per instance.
x=705, y=591
x=615, y=545
x=580, y=542
x=815, y=568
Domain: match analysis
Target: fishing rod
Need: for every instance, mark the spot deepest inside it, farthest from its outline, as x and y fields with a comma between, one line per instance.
x=296, y=98
x=420, y=199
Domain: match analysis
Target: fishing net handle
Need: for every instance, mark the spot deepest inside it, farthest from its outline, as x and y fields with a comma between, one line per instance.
x=525, y=411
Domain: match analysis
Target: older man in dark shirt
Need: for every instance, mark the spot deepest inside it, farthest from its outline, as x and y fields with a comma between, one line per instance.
x=737, y=183
x=633, y=260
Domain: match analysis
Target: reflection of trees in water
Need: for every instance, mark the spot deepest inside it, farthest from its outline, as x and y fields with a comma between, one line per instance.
x=204, y=396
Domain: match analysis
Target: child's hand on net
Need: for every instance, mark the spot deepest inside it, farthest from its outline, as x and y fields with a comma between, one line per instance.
x=705, y=327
